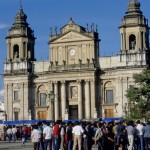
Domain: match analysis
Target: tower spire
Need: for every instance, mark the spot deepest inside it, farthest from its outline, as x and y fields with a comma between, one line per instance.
x=20, y=2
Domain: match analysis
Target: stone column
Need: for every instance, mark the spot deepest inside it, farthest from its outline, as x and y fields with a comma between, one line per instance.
x=139, y=40
x=8, y=50
x=10, y=101
x=80, y=110
x=26, y=101
x=6, y=98
x=124, y=36
x=11, y=52
x=63, y=98
x=93, y=98
x=144, y=45
x=26, y=52
x=21, y=114
x=51, y=53
x=141, y=44
x=87, y=100
x=56, y=105
x=121, y=41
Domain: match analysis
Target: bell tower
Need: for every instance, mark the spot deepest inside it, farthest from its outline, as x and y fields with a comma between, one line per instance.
x=134, y=32
x=20, y=43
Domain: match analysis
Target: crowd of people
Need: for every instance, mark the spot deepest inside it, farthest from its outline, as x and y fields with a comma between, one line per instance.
x=83, y=135
x=14, y=133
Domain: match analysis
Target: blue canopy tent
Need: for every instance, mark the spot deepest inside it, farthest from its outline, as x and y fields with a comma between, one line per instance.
x=73, y=120
x=26, y=122
x=112, y=119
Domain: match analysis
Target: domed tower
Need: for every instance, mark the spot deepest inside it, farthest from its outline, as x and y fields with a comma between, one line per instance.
x=20, y=45
x=18, y=69
x=134, y=32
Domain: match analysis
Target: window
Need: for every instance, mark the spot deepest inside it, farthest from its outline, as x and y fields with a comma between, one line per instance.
x=42, y=99
x=109, y=96
x=16, y=96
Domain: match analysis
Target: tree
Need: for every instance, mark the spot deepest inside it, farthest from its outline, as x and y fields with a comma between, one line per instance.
x=139, y=96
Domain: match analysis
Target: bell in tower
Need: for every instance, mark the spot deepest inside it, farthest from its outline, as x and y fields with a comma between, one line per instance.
x=20, y=39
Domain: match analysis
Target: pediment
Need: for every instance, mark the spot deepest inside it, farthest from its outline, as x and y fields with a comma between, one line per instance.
x=71, y=36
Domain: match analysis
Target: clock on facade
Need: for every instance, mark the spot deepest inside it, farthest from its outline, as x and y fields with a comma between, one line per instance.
x=72, y=52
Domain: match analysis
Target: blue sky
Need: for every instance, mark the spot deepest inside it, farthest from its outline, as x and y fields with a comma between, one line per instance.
x=44, y=14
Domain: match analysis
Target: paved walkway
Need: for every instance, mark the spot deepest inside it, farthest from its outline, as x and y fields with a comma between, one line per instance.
x=5, y=145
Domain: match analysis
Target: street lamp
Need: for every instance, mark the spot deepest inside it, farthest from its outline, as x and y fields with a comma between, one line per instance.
x=5, y=115
x=125, y=109
x=51, y=97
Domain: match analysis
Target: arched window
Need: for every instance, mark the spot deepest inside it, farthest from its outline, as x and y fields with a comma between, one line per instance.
x=42, y=99
x=132, y=41
x=16, y=51
x=109, y=93
x=42, y=96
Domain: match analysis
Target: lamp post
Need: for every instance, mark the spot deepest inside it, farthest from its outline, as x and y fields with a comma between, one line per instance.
x=5, y=116
x=51, y=97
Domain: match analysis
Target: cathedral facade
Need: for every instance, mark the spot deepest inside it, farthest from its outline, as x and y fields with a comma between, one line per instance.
x=76, y=82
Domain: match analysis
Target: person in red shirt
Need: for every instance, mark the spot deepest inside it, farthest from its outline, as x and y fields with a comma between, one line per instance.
x=24, y=135
x=56, y=134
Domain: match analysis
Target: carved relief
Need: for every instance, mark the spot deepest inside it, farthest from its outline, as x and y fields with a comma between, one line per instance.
x=16, y=109
x=74, y=92
x=71, y=36
x=16, y=86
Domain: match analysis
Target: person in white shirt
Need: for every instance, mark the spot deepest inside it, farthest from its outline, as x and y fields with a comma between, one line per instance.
x=9, y=133
x=47, y=136
x=139, y=132
x=77, y=133
x=130, y=132
x=35, y=135
x=14, y=131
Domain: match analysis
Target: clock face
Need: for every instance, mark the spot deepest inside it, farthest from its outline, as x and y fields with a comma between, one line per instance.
x=72, y=52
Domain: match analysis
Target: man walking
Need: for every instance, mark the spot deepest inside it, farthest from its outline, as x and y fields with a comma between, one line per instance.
x=35, y=135
x=146, y=134
x=14, y=131
x=77, y=133
x=47, y=136
x=139, y=130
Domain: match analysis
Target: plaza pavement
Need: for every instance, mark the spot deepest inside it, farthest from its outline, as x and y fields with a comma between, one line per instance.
x=5, y=145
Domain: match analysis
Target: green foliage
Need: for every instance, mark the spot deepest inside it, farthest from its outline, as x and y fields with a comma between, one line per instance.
x=139, y=96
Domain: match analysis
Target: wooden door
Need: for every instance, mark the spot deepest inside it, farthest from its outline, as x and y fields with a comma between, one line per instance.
x=109, y=113
x=42, y=115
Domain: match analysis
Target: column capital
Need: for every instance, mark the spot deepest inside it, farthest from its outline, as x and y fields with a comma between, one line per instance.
x=6, y=84
x=55, y=82
x=26, y=85
x=87, y=80
x=79, y=81
x=63, y=82
x=10, y=84
x=92, y=80
x=21, y=84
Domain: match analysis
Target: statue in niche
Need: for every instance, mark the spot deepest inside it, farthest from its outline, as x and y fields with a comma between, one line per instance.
x=16, y=54
x=74, y=92
x=133, y=43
